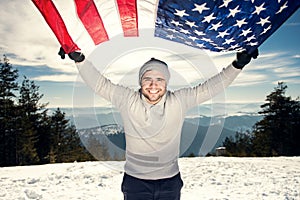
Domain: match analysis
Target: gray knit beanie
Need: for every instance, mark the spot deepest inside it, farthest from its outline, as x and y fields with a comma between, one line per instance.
x=155, y=64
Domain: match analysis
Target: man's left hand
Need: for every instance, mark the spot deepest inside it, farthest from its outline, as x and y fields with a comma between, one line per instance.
x=243, y=58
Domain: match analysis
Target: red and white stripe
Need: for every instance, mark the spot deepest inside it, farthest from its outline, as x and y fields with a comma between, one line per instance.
x=84, y=24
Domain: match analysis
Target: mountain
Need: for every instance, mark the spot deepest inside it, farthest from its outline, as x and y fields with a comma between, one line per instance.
x=195, y=139
x=235, y=123
x=204, y=140
x=110, y=137
x=201, y=132
x=87, y=117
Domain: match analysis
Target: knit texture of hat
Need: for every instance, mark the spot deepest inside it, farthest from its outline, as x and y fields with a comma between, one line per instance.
x=155, y=64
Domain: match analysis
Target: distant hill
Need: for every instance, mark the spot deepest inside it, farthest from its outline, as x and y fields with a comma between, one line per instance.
x=194, y=132
x=106, y=124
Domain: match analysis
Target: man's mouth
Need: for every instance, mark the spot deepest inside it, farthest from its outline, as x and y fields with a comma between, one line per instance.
x=153, y=91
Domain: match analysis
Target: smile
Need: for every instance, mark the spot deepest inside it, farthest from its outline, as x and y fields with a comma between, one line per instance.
x=153, y=91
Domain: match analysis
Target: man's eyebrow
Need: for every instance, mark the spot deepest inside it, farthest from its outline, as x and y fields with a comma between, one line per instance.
x=146, y=77
x=157, y=78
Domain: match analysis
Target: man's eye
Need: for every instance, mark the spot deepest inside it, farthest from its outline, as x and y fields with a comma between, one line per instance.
x=160, y=79
x=146, y=79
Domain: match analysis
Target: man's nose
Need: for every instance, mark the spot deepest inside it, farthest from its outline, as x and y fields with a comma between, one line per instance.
x=153, y=82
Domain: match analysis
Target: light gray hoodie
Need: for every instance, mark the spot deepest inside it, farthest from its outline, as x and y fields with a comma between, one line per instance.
x=153, y=132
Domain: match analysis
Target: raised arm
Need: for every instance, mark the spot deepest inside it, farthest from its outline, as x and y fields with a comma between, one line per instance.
x=191, y=97
x=102, y=86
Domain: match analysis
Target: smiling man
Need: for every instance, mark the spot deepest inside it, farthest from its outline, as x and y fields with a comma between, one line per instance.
x=153, y=77
x=153, y=118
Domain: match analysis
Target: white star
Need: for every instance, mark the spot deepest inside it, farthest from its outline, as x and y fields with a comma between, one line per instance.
x=240, y=49
x=199, y=33
x=176, y=23
x=246, y=32
x=182, y=30
x=200, y=45
x=253, y=43
x=207, y=39
x=222, y=34
x=234, y=46
x=193, y=38
x=181, y=38
x=172, y=30
x=263, y=21
x=258, y=9
x=216, y=26
x=200, y=8
x=171, y=37
x=188, y=43
x=180, y=13
x=213, y=44
x=266, y=29
x=252, y=37
x=282, y=8
x=191, y=24
x=228, y=41
x=240, y=23
x=221, y=48
x=209, y=18
x=225, y=3
x=233, y=11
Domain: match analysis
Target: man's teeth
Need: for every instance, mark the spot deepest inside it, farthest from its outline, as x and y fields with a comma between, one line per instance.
x=153, y=91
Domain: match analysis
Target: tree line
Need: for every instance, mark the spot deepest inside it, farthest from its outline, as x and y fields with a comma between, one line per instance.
x=29, y=133
x=277, y=134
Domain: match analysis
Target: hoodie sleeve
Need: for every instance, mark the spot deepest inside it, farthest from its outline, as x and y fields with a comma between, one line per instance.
x=194, y=96
x=102, y=86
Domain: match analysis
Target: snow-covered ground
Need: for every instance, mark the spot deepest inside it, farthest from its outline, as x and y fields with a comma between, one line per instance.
x=204, y=178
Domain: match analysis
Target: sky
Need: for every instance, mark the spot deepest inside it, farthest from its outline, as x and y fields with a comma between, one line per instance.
x=32, y=48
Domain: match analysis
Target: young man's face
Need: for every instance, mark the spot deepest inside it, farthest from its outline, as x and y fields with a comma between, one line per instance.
x=153, y=86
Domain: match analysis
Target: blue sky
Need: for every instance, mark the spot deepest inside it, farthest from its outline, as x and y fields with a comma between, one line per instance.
x=32, y=48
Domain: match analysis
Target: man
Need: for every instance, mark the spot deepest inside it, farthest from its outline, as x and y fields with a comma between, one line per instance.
x=153, y=119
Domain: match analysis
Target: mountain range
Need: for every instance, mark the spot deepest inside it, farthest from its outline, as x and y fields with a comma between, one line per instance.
x=201, y=134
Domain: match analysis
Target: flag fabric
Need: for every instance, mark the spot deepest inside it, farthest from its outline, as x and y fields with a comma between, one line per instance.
x=222, y=25
x=216, y=25
x=57, y=25
x=84, y=24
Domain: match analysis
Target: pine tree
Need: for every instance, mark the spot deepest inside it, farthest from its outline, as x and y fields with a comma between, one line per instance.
x=277, y=132
x=44, y=137
x=28, y=135
x=8, y=87
x=58, y=127
x=29, y=109
x=65, y=144
x=239, y=145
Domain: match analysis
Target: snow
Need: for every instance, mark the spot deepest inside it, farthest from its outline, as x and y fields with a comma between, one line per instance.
x=208, y=178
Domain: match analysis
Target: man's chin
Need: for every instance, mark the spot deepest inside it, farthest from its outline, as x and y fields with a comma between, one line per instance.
x=153, y=100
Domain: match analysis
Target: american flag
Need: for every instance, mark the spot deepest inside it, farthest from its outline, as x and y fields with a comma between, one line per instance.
x=222, y=25
x=216, y=25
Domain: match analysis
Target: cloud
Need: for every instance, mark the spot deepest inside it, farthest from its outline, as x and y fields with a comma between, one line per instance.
x=288, y=81
x=292, y=24
x=250, y=78
x=56, y=78
x=267, y=68
x=27, y=39
x=296, y=56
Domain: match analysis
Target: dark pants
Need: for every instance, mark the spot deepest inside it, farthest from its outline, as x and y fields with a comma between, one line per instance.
x=161, y=189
